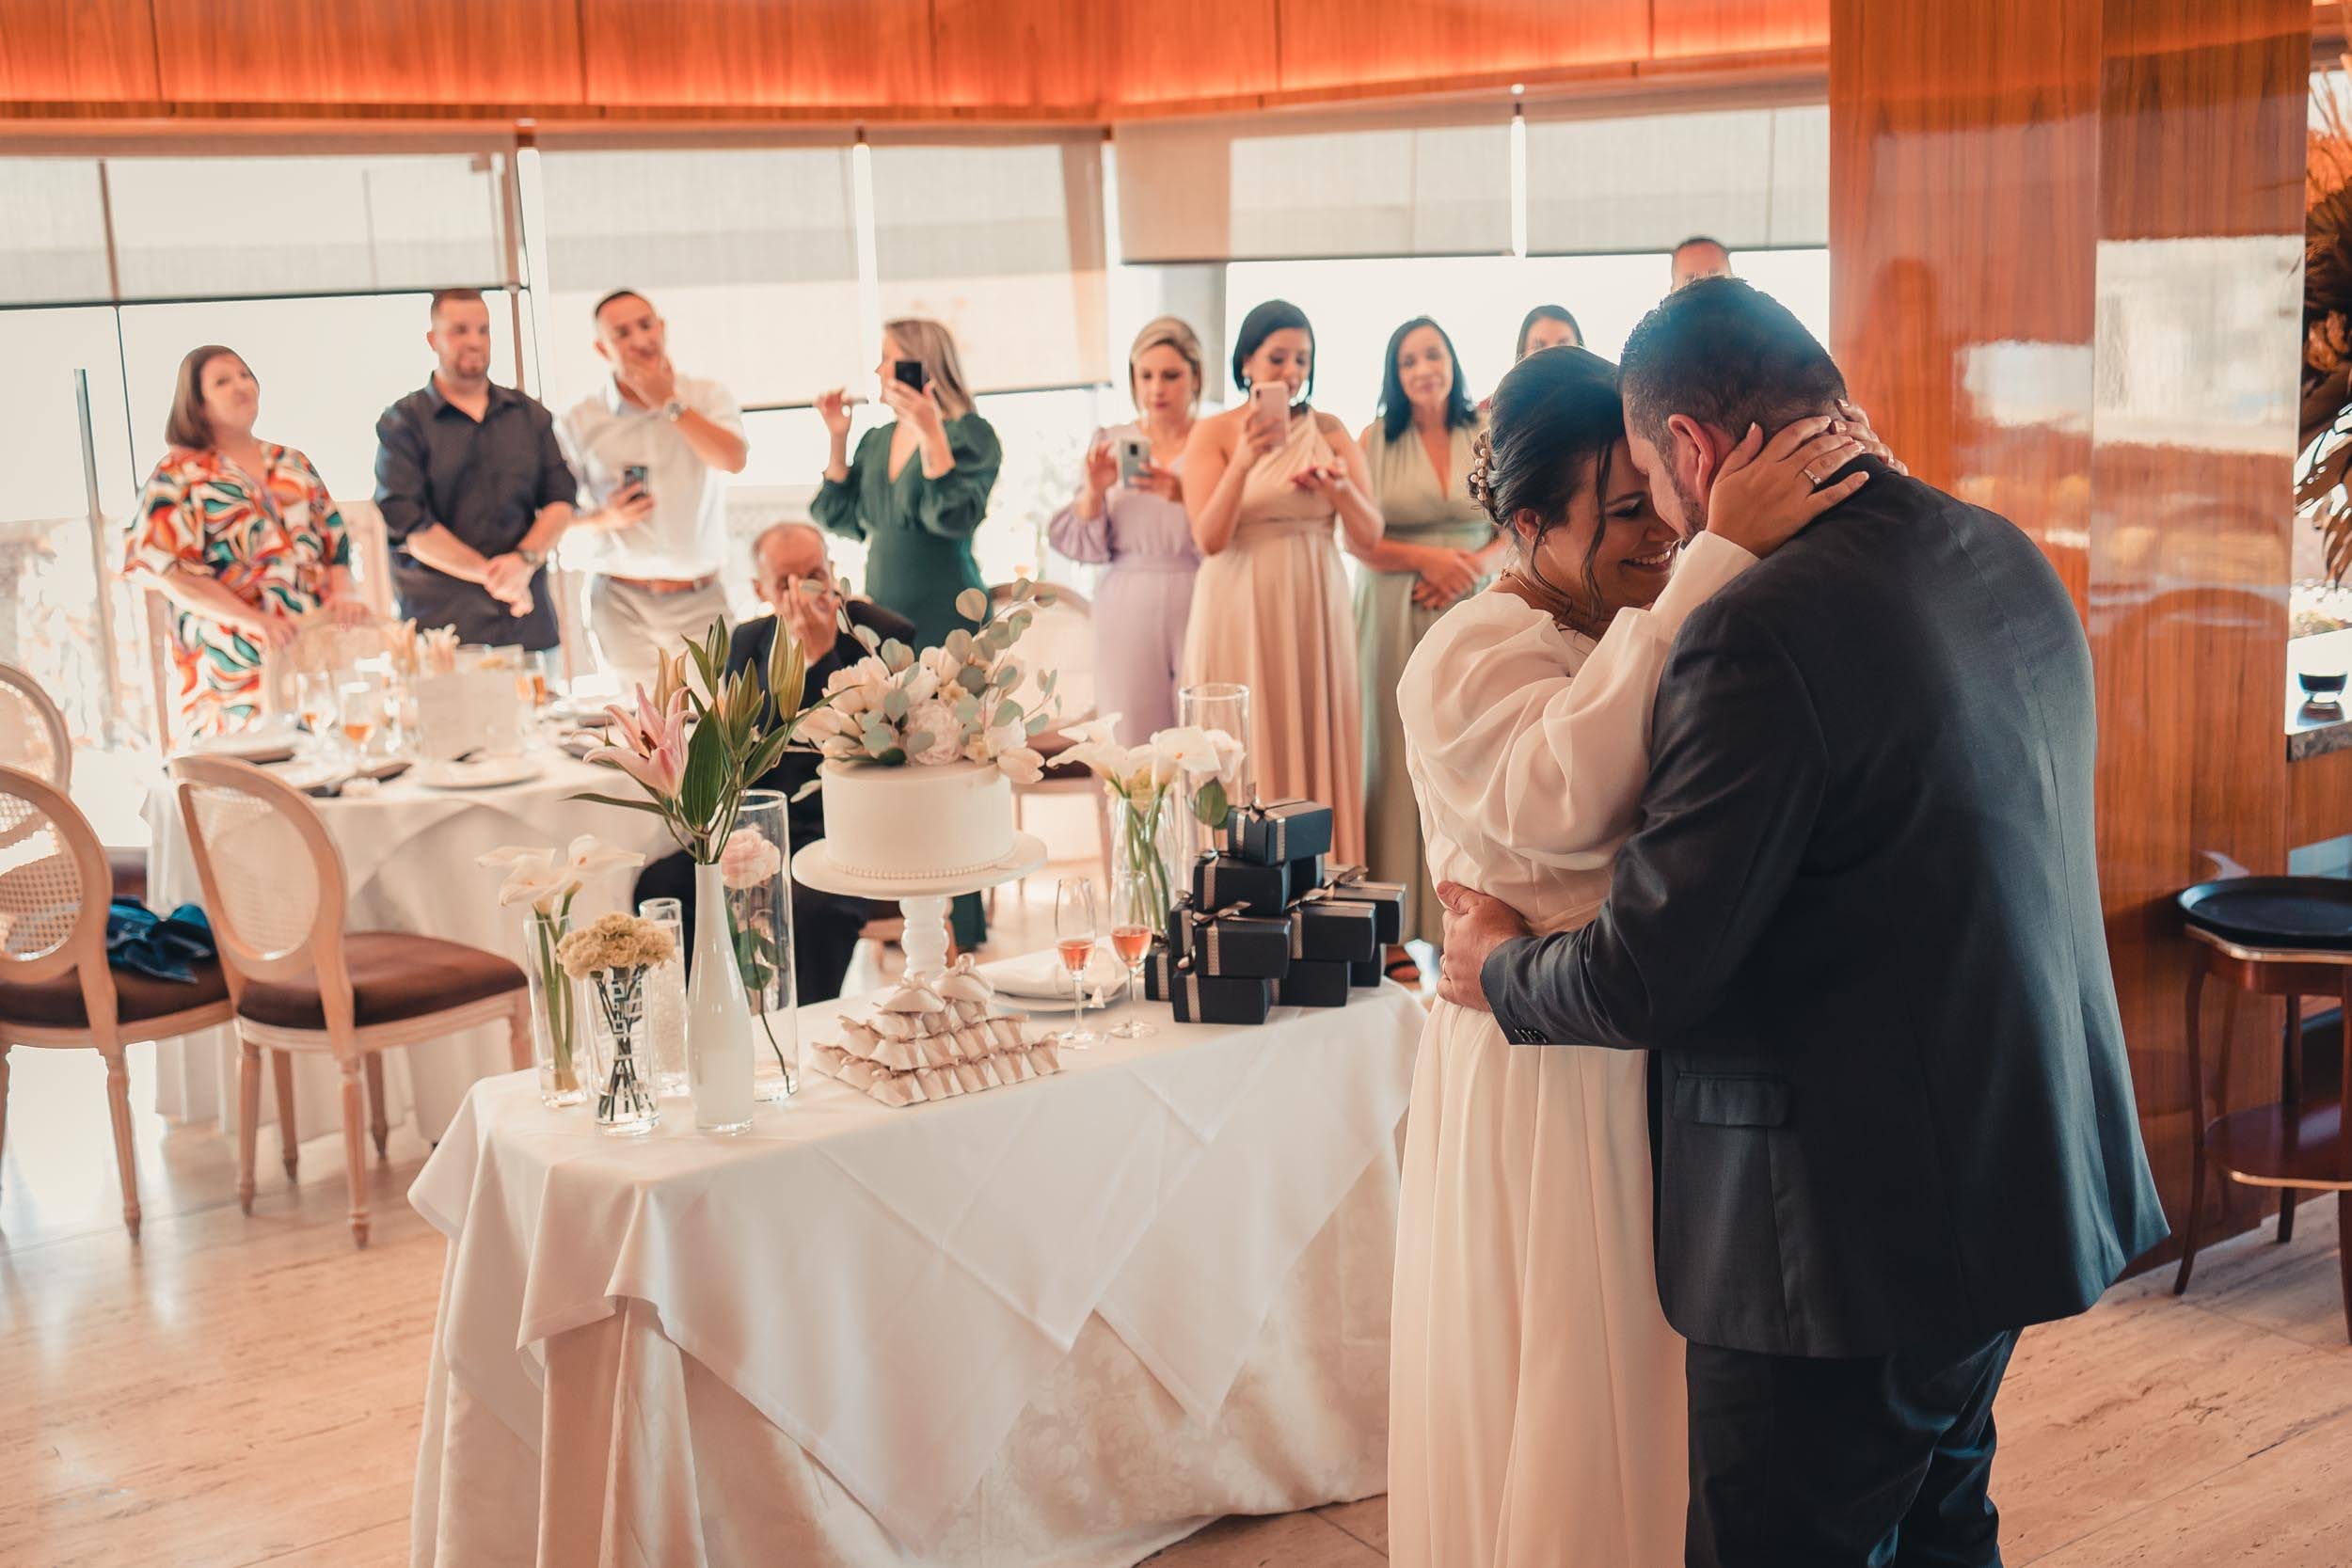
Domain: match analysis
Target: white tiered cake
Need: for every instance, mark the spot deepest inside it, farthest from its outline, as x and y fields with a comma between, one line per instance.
x=936, y=1038
x=917, y=824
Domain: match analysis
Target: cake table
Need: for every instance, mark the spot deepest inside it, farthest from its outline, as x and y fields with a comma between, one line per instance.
x=924, y=903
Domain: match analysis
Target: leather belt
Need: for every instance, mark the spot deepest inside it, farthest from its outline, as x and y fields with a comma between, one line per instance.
x=664, y=585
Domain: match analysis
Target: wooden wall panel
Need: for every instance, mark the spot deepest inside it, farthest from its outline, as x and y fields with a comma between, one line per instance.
x=1328, y=43
x=2319, y=799
x=716, y=54
x=1039, y=54
x=1683, y=27
x=465, y=54
x=2063, y=234
x=68, y=50
x=1224, y=50
x=2194, y=435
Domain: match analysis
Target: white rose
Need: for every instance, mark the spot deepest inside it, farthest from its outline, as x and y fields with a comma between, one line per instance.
x=939, y=721
x=919, y=684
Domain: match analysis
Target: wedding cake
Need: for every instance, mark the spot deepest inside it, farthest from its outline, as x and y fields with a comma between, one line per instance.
x=917, y=824
x=936, y=1038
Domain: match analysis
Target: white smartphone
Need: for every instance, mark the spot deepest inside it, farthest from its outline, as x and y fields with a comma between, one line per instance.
x=1134, y=455
x=1270, y=403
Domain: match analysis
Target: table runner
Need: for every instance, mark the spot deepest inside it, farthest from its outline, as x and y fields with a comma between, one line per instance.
x=889, y=1287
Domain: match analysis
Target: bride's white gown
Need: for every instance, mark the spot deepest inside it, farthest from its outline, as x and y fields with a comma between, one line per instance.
x=1536, y=1393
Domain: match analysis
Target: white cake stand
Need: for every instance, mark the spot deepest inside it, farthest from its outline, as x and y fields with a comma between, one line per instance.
x=924, y=903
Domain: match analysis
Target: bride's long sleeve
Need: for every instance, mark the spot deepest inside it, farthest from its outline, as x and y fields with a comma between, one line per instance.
x=1529, y=754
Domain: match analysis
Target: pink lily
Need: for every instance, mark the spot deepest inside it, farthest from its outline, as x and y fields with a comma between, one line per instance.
x=656, y=754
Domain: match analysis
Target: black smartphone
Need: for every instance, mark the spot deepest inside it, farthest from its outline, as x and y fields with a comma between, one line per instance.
x=635, y=474
x=909, y=372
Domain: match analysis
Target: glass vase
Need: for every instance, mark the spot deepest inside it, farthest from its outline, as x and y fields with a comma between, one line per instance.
x=759, y=927
x=1147, y=867
x=624, y=1104
x=1214, y=705
x=719, y=1027
x=557, y=1045
x=664, y=1037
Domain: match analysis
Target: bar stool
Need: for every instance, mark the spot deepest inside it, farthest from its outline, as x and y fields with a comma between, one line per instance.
x=2288, y=937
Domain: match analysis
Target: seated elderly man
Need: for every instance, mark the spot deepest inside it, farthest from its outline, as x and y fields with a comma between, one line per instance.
x=824, y=925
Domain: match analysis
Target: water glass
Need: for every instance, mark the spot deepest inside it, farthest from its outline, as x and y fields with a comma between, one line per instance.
x=665, y=1001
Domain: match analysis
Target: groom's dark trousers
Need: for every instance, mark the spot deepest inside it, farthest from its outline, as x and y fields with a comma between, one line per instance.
x=1860, y=927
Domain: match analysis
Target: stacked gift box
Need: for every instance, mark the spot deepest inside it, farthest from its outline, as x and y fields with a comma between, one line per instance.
x=1264, y=925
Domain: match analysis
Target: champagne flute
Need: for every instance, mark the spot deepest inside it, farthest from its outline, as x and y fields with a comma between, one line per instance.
x=362, y=711
x=316, y=701
x=1131, y=938
x=1075, y=933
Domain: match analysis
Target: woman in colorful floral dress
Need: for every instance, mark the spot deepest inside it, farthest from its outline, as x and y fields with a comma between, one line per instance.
x=240, y=535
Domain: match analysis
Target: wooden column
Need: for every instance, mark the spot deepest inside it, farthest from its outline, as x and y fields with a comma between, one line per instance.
x=2065, y=253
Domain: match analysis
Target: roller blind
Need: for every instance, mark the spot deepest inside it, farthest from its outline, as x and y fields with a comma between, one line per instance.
x=1432, y=181
x=749, y=253
x=1752, y=176
x=337, y=224
x=1002, y=240
x=54, y=244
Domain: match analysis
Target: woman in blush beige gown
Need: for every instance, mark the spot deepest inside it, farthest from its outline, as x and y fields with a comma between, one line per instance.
x=1536, y=1391
x=1266, y=490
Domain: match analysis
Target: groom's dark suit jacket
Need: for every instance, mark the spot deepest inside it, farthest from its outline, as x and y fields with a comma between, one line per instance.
x=1860, y=924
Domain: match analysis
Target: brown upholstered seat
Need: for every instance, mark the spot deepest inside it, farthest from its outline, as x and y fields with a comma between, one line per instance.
x=130, y=873
x=57, y=1003
x=394, y=976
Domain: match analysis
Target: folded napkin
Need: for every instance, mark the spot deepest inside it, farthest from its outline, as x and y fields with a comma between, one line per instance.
x=162, y=948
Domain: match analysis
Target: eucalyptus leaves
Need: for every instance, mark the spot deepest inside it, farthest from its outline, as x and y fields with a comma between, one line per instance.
x=955, y=703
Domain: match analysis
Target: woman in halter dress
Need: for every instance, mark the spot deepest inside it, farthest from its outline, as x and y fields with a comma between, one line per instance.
x=1270, y=610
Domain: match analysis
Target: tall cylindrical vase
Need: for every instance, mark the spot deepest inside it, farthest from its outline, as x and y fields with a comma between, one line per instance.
x=1148, y=863
x=719, y=1027
x=559, y=1045
x=759, y=907
x=1214, y=705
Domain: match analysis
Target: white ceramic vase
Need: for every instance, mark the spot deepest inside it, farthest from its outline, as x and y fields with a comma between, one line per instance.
x=719, y=1027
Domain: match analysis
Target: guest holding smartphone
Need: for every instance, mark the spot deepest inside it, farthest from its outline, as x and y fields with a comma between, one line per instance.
x=917, y=488
x=1266, y=485
x=239, y=535
x=1438, y=545
x=1130, y=512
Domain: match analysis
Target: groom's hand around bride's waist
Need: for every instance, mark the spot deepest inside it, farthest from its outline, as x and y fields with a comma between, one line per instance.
x=1475, y=925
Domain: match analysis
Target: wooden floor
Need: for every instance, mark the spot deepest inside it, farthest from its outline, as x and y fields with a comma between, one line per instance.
x=235, y=1390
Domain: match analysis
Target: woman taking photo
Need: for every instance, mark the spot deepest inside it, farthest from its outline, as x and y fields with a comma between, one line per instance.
x=1438, y=545
x=1138, y=526
x=1265, y=483
x=239, y=535
x=918, y=489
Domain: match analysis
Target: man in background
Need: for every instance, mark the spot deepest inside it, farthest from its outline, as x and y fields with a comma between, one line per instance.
x=474, y=490
x=793, y=579
x=650, y=446
x=1700, y=256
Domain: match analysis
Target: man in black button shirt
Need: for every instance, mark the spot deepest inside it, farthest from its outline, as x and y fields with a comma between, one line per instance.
x=784, y=557
x=474, y=491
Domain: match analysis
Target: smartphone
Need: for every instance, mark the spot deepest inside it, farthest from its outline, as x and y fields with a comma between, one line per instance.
x=910, y=372
x=1270, y=401
x=1134, y=455
x=635, y=474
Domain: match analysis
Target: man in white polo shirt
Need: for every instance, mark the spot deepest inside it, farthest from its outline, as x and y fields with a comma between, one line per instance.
x=654, y=542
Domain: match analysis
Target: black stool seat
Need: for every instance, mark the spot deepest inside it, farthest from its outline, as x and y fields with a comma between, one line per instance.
x=2301, y=914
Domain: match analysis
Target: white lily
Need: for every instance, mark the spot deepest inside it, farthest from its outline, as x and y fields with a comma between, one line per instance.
x=1188, y=747
x=532, y=877
x=589, y=856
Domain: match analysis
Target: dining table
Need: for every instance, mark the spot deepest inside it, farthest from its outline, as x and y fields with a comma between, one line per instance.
x=1061, y=1322
x=408, y=849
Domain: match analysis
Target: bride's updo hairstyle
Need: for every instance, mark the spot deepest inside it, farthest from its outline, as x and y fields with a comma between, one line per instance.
x=1554, y=423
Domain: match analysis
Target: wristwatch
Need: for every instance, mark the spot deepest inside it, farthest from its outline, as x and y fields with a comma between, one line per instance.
x=672, y=409
x=532, y=559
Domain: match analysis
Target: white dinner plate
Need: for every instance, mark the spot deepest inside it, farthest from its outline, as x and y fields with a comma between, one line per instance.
x=309, y=772
x=266, y=741
x=482, y=773
x=1041, y=977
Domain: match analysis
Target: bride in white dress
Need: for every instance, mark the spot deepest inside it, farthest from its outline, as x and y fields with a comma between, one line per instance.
x=1537, y=1392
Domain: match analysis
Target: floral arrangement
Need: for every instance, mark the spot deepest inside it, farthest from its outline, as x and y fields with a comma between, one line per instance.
x=749, y=867
x=1203, y=763
x=954, y=703
x=616, y=944
x=694, y=755
x=549, y=883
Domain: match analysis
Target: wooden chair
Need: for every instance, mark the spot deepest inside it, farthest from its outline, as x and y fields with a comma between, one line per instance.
x=2291, y=1144
x=55, y=987
x=1060, y=639
x=33, y=736
x=275, y=885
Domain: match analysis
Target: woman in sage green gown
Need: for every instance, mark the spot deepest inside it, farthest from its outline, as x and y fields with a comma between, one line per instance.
x=1439, y=546
x=915, y=493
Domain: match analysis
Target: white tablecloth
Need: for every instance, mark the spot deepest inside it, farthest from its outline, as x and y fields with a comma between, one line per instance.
x=891, y=1289
x=408, y=854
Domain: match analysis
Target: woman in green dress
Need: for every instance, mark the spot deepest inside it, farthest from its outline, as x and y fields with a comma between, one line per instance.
x=915, y=492
x=1439, y=546
x=917, y=488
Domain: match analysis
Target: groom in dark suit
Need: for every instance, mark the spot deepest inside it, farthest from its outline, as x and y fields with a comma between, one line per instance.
x=1859, y=925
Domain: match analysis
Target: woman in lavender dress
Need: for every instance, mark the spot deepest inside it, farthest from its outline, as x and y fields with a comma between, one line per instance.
x=1141, y=530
